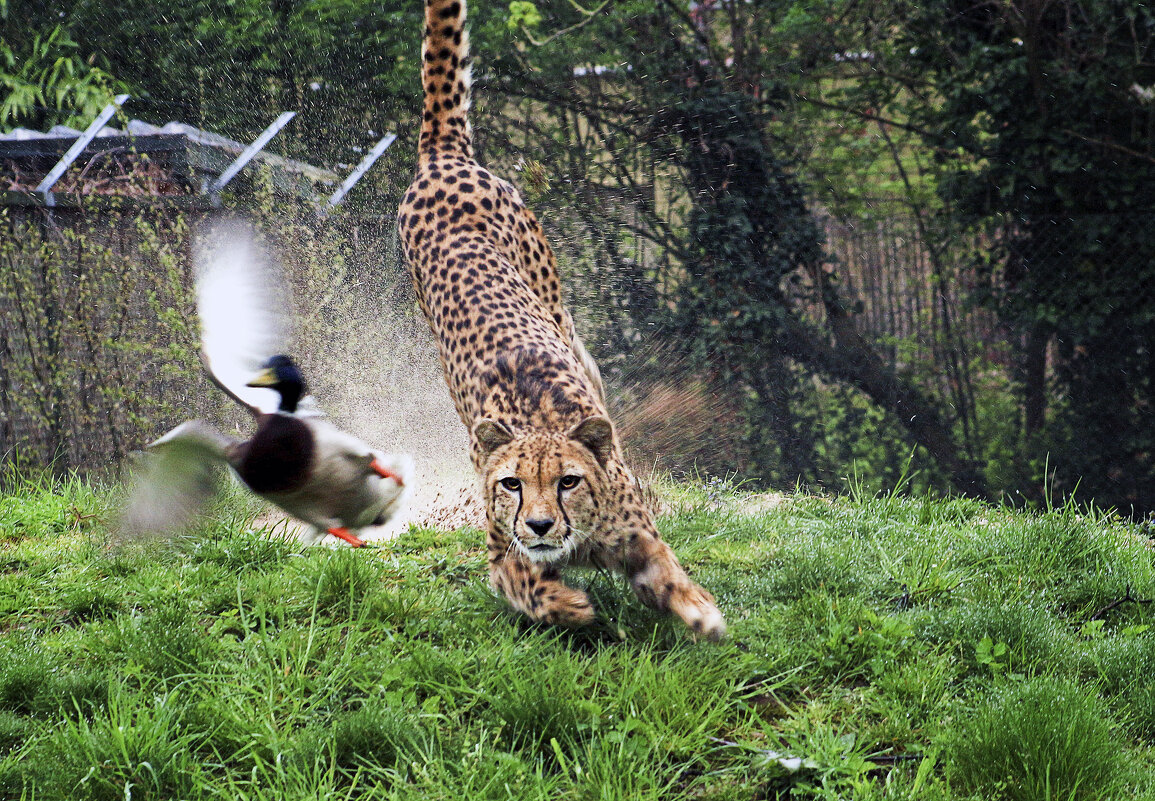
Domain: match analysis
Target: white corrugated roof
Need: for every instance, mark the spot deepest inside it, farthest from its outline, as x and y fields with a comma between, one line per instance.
x=133, y=128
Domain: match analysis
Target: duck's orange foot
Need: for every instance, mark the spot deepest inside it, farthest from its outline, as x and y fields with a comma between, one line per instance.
x=343, y=533
x=385, y=472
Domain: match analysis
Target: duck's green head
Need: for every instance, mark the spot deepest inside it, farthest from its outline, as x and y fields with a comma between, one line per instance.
x=281, y=373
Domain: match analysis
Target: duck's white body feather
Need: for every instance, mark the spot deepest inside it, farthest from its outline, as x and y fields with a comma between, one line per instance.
x=342, y=490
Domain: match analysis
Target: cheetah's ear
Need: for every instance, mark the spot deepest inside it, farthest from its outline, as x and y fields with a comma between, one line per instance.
x=491, y=435
x=597, y=434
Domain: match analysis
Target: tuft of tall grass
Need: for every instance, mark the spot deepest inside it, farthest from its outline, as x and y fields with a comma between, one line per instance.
x=1047, y=737
x=34, y=683
x=129, y=749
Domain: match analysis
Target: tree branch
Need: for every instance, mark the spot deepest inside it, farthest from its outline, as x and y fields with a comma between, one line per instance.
x=589, y=15
x=1119, y=602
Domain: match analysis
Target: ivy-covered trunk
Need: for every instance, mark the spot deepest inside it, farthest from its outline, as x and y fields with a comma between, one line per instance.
x=750, y=229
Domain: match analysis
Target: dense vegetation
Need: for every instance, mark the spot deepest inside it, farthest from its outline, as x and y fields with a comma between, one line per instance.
x=688, y=158
x=881, y=648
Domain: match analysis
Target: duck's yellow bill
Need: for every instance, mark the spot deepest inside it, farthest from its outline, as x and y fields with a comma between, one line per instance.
x=265, y=378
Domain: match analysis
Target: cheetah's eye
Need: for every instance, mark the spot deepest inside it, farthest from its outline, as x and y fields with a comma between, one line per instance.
x=569, y=482
x=512, y=484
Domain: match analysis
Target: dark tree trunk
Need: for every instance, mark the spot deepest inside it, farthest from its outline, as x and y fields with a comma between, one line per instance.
x=1034, y=381
x=734, y=176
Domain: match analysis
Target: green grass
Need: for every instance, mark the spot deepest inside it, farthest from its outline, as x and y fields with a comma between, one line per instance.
x=881, y=648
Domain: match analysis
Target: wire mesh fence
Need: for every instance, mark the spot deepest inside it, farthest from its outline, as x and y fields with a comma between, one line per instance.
x=98, y=333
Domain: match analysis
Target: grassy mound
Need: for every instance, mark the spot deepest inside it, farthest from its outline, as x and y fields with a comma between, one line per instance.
x=881, y=648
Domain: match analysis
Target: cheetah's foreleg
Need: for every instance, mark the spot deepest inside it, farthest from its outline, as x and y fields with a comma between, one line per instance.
x=534, y=589
x=660, y=582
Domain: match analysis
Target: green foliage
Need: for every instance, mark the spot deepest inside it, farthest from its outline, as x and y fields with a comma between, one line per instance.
x=874, y=110
x=49, y=82
x=989, y=653
x=705, y=226
x=523, y=13
x=97, y=327
x=747, y=228
x=1048, y=156
x=231, y=67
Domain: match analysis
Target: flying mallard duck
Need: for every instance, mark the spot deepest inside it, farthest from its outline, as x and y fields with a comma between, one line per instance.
x=295, y=459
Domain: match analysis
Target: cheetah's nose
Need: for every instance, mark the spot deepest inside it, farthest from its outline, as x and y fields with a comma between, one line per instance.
x=540, y=526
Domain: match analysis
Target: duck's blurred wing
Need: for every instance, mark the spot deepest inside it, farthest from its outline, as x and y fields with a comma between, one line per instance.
x=239, y=301
x=178, y=473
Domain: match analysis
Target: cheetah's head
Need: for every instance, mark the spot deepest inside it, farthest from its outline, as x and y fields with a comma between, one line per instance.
x=543, y=489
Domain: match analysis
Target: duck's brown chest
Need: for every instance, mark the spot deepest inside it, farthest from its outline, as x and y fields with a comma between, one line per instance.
x=279, y=456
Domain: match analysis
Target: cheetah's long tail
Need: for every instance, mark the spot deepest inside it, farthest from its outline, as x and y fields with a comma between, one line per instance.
x=445, y=75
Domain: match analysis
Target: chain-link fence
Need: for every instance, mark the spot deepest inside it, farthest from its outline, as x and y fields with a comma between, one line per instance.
x=1008, y=331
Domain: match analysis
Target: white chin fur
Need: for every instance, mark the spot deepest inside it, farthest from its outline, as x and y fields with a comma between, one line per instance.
x=542, y=555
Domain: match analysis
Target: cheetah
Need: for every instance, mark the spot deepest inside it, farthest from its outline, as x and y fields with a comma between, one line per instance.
x=556, y=489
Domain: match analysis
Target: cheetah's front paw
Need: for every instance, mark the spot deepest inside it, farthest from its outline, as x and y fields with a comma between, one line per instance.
x=564, y=606
x=696, y=607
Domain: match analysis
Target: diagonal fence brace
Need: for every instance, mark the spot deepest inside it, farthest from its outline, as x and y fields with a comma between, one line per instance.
x=247, y=154
x=45, y=187
x=361, y=169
